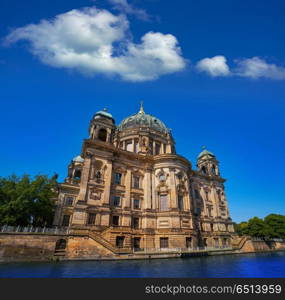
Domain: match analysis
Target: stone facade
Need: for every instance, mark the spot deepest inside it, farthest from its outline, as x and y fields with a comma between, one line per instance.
x=131, y=188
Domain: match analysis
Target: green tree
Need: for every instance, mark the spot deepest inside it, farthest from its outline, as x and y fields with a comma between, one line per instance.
x=241, y=228
x=256, y=227
x=277, y=224
x=24, y=201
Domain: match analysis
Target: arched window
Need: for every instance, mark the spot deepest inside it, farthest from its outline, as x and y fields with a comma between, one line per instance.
x=204, y=171
x=102, y=135
x=60, y=244
x=77, y=174
x=213, y=170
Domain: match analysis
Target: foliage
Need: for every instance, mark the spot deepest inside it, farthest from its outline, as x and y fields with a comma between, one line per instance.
x=25, y=201
x=273, y=226
x=277, y=223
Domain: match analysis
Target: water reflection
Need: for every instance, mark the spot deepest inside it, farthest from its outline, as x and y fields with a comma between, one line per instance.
x=249, y=265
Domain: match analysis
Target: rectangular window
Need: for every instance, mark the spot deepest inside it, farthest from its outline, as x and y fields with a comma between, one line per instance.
x=216, y=241
x=163, y=242
x=118, y=177
x=120, y=241
x=135, y=222
x=116, y=200
x=136, y=203
x=150, y=146
x=163, y=202
x=69, y=200
x=136, y=182
x=115, y=220
x=129, y=145
x=136, y=243
x=65, y=220
x=197, y=195
x=219, y=195
x=157, y=148
x=188, y=242
x=91, y=219
x=180, y=202
x=197, y=211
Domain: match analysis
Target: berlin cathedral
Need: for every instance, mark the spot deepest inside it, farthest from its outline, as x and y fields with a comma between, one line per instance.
x=131, y=189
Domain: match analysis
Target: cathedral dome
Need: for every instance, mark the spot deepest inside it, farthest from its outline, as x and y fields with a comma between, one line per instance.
x=141, y=119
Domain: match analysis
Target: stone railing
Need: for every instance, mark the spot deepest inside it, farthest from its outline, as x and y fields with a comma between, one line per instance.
x=33, y=229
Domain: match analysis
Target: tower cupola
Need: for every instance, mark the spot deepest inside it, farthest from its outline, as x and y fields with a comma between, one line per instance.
x=207, y=163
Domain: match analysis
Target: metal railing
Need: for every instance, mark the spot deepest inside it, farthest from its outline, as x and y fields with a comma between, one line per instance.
x=180, y=250
x=33, y=229
x=260, y=239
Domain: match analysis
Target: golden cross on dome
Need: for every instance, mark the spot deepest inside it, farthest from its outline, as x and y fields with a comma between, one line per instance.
x=203, y=147
x=141, y=108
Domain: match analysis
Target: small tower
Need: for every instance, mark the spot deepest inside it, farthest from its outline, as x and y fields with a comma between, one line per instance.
x=102, y=126
x=207, y=163
x=75, y=170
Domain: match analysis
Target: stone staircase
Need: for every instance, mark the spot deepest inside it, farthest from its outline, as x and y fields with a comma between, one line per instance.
x=238, y=244
x=97, y=237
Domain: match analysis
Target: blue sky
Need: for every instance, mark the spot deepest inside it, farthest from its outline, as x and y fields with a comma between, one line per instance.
x=224, y=88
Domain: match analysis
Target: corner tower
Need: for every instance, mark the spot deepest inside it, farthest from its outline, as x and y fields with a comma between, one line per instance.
x=102, y=126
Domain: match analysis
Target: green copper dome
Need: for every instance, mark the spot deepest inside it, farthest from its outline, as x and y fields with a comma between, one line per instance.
x=141, y=119
x=103, y=113
x=78, y=159
x=205, y=152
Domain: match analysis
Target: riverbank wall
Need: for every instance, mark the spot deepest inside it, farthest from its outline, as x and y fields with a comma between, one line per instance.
x=38, y=246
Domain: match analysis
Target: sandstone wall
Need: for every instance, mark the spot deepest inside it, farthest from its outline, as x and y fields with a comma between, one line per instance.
x=85, y=247
x=36, y=247
x=27, y=246
x=258, y=246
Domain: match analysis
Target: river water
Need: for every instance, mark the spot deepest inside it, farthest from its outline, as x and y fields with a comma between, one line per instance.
x=245, y=265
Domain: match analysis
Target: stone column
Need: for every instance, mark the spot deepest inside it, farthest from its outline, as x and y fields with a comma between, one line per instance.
x=108, y=181
x=154, y=200
x=215, y=202
x=96, y=131
x=173, y=192
x=147, y=189
x=168, y=148
x=85, y=173
x=133, y=145
x=127, y=198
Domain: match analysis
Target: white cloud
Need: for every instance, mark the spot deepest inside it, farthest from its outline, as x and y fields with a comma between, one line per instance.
x=215, y=66
x=124, y=6
x=95, y=41
x=256, y=67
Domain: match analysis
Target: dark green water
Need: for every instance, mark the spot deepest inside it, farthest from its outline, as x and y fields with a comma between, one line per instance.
x=246, y=265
